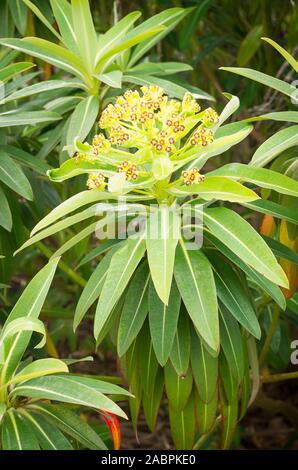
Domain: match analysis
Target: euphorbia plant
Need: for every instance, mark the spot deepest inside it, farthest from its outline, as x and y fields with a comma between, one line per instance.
x=35, y=396
x=181, y=314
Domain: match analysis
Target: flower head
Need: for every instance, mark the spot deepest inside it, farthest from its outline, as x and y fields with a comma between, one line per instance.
x=96, y=181
x=192, y=176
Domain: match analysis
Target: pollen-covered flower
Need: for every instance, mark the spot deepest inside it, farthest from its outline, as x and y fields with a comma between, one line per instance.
x=96, y=181
x=189, y=104
x=130, y=170
x=202, y=136
x=209, y=117
x=192, y=176
x=100, y=143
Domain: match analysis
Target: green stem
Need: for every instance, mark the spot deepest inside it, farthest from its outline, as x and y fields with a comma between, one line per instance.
x=279, y=377
x=272, y=329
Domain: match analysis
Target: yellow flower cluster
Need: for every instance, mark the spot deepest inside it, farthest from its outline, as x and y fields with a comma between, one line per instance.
x=96, y=181
x=192, y=176
x=150, y=120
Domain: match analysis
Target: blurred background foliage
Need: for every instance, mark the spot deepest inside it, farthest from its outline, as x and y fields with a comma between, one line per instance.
x=216, y=33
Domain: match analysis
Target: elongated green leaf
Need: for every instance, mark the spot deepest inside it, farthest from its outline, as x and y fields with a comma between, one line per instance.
x=233, y=295
x=245, y=242
x=249, y=45
x=135, y=309
x=19, y=13
x=123, y=265
x=60, y=388
x=84, y=31
x=163, y=232
x=40, y=88
x=48, y=436
x=168, y=18
x=229, y=422
x=39, y=368
x=92, y=289
x=41, y=17
x=115, y=34
x=191, y=25
x=231, y=342
x=163, y=322
x=5, y=213
x=160, y=68
x=193, y=274
x=83, y=119
x=63, y=15
x=113, y=78
x=263, y=78
x=29, y=304
x=204, y=368
x=98, y=250
x=49, y=52
x=151, y=400
x=16, y=434
x=23, y=324
x=217, y=187
x=180, y=353
x=26, y=159
x=183, y=425
x=27, y=118
x=269, y=287
x=274, y=209
x=289, y=58
x=178, y=388
x=229, y=109
x=277, y=143
x=70, y=423
x=288, y=116
x=12, y=176
x=259, y=176
x=280, y=250
x=10, y=71
x=207, y=413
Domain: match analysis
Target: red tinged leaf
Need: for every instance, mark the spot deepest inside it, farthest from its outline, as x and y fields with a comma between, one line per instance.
x=114, y=427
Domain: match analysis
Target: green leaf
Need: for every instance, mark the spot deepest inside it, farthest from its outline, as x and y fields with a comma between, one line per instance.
x=249, y=45
x=217, y=187
x=280, y=250
x=5, y=213
x=84, y=31
x=40, y=88
x=70, y=423
x=163, y=232
x=168, y=18
x=13, y=177
x=92, y=289
x=238, y=235
x=63, y=15
x=3, y=409
x=183, y=425
x=123, y=265
x=204, y=368
x=191, y=25
x=274, y=209
x=229, y=109
x=163, y=322
x=11, y=70
x=135, y=309
x=39, y=368
x=48, y=436
x=16, y=434
x=234, y=296
x=98, y=250
x=49, y=52
x=63, y=389
x=289, y=58
x=193, y=274
x=82, y=119
x=178, y=388
x=276, y=144
x=267, y=286
x=19, y=13
x=231, y=342
x=27, y=118
x=29, y=304
x=151, y=400
x=288, y=116
x=23, y=324
x=207, y=413
x=229, y=422
x=160, y=68
x=180, y=353
x=263, y=78
x=112, y=79
x=260, y=176
x=41, y=17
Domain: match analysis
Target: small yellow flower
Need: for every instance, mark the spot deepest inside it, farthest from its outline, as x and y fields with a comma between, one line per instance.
x=100, y=143
x=202, y=137
x=96, y=181
x=130, y=170
x=189, y=104
x=192, y=176
x=209, y=117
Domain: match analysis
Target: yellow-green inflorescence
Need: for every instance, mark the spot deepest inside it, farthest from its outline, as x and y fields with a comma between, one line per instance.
x=139, y=128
